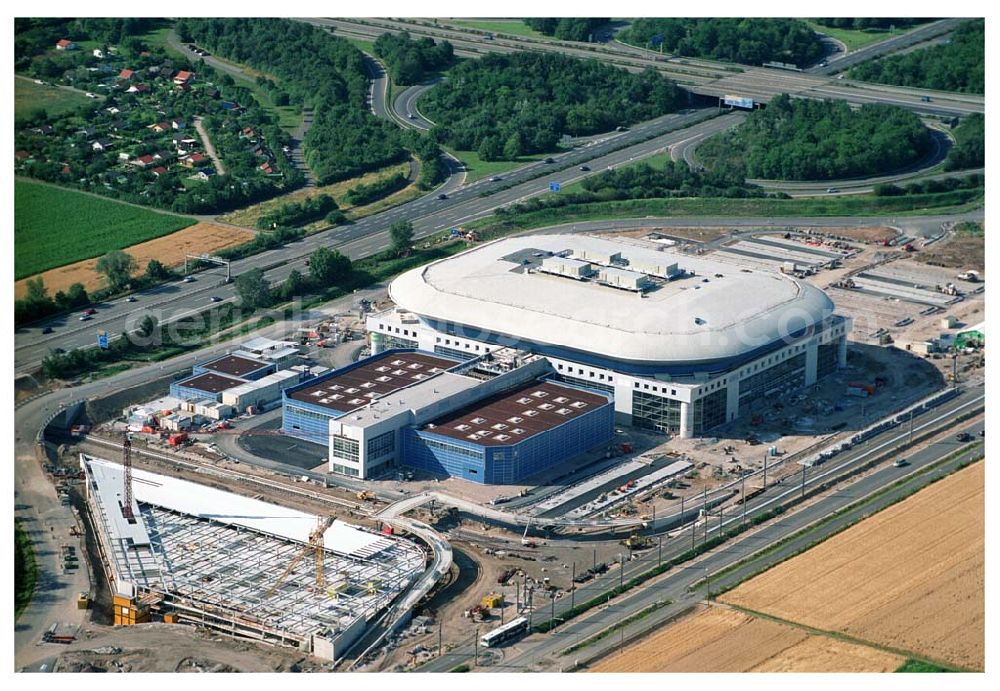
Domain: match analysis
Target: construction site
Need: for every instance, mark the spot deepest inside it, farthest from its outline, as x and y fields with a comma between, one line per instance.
x=176, y=551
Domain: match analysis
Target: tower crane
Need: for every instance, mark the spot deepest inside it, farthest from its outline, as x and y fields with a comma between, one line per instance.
x=316, y=546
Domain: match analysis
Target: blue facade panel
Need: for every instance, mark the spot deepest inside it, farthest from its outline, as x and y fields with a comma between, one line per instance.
x=188, y=393
x=508, y=464
x=306, y=422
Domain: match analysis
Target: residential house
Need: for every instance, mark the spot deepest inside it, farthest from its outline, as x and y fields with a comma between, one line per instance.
x=98, y=53
x=178, y=124
x=88, y=132
x=162, y=155
x=124, y=156
x=159, y=170
x=44, y=129
x=114, y=110
x=22, y=155
x=249, y=133
x=212, y=92
x=143, y=161
x=192, y=160
x=102, y=145
x=267, y=167
x=183, y=77
x=229, y=105
x=204, y=174
x=139, y=89
x=160, y=127
x=126, y=75
x=121, y=125
x=65, y=44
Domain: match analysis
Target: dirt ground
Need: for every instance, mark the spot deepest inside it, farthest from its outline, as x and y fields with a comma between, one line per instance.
x=174, y=648
x=696, y=234
x=170, y=250
x=958, y=251
x=718, y=639
x=911, y=577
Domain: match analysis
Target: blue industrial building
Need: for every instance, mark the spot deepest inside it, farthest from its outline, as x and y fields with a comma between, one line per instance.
x=204, y=386
x=512, y=435
x=307, y=409
x=246, y=368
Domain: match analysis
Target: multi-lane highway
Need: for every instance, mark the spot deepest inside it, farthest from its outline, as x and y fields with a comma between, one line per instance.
x=700, y=76
x=365, y=237
x=541, y=651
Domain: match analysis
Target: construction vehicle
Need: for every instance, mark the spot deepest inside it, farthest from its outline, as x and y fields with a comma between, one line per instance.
x=491, y=600
x=637, y=541
x=83, y=600
x=366, y=495
x=317, y=547
x=525, y=540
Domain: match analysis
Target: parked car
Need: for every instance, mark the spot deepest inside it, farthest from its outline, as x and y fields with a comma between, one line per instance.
x=47, y=330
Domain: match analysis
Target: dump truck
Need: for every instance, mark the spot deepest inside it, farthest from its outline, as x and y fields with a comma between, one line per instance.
x=366, y=495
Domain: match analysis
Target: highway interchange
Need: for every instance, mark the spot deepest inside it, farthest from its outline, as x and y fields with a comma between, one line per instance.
x=673, y=133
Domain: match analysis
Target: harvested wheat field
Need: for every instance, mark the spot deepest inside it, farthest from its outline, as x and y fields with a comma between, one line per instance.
x=911, y=577
x=169, y=249
x=719, y=639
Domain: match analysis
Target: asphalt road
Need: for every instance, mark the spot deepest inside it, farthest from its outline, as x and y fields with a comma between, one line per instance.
x=367, y=236
x=538, y=652
x=698, y=75
x=891, y=45
x=406, y=104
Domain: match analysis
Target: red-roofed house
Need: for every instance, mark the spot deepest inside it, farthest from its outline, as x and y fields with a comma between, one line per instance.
x=183, y=77
x=266, y=167
x=22, y=155
x=193, y=160
x=160, y=127
x=65, y=44
x=126, y=74
x=143, y=161
x=159, y=170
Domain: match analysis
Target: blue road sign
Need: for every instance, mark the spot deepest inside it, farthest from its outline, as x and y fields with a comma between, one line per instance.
x=102, y=339
x=554, y=186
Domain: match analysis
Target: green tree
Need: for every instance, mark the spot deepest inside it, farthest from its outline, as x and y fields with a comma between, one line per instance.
x=117, y=267
x=36, y=292
x=253, y=289
x=326, y=266
x=292, y=285
x=490, y=149
x=155, y=270
x=147, y=325
x=401, y=233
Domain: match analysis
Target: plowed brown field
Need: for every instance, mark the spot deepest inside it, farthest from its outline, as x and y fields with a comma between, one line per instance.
x=910, y=577
x=169, y=249
x=718, y=639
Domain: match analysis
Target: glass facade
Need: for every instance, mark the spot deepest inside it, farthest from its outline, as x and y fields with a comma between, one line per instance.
x=344, y=448
x=586, y=383
x=709, y=411
x=826, y=358
x=650, y=411
x=307, y=424
x=455, y=352
x=786, y=375
x=382, y=445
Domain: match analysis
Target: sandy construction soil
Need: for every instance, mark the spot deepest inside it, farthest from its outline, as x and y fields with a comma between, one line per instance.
x=910, y=577
x=718, y=639
x=169, y=249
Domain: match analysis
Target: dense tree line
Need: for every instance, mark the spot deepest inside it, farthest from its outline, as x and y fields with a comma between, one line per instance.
x=362, y=194
x=959, y=65
x=931, y=186
x=507, y=105
x=970, y=144
x=747, y=41
x=566, y=28
x=298, y=213
x=672, y=179
x=318, y=70
x=863, y=23
x=410, y=61
x=37, y=303
x=803, y=139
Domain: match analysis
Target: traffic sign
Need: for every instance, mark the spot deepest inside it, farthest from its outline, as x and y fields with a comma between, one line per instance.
x=102, y=339
x=554, y=186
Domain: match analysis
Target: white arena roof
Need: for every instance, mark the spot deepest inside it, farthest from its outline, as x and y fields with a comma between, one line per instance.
x=224, y=507
x=723, y=311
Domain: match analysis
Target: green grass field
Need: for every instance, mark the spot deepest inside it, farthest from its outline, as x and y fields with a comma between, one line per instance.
x=29, y=97
x=853, y=38
x=512, y=27
x=478, y=168
x=54, y=227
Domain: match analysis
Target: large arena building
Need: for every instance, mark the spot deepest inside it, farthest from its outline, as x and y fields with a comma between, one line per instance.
x=683, y=342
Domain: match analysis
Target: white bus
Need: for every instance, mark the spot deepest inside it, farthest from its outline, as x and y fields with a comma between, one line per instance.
x=508, y=632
